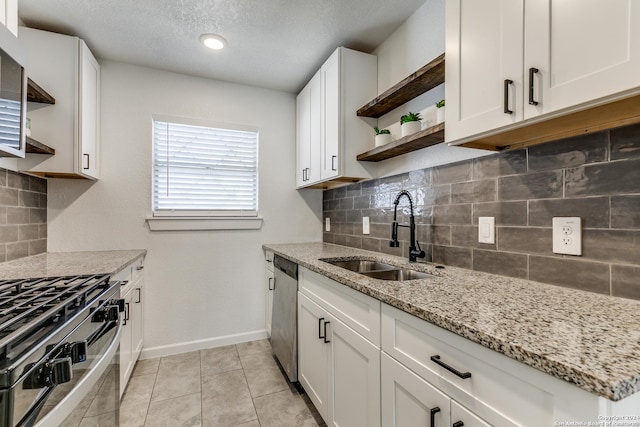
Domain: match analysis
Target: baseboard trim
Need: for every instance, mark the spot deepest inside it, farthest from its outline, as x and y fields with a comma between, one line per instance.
x=184, y=347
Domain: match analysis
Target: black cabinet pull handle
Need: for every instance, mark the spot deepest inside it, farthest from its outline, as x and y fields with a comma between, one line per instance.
x=320, y=336
x=507, y=82
x=532, y=71
x=85, y=154
x=457, y=424
x=463, y=375
x=140, y=267
x=333, y=158
x=434, y=411
x=270, y=285
x=139, y=295
x=326, y=341
x=126, y=314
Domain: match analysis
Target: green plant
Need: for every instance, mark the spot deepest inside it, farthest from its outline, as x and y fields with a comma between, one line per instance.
x=410, y=117
x=440, y=103
x=382, y=131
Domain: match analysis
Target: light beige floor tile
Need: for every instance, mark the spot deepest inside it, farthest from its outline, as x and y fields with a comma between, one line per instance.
x=188, y=361
x=263, y=374
x=135, y=402
x=226, y=400
x=104, y=419
x=253, y=347
x=178, y=375
x=254, y=423
x=283, y=409
x=179, y=412
x=220, y=359
x=146, y=366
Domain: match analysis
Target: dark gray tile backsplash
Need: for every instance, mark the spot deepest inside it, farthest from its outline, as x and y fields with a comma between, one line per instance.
x=23, y=215
x=595, y=177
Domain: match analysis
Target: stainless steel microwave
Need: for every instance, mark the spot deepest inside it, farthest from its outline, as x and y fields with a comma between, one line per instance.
x=13, y=95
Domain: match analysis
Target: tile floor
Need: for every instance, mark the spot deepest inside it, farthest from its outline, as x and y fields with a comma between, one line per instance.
x=237, y=385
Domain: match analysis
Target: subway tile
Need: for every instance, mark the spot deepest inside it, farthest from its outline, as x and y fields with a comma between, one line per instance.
x=540, y=185
x=525, y=240
x=385, y=248
x=594, y=211
x=381, y=200
x=37, y=246
x=467, y=236
x=625, y=142
x=575, y=151
x=330, y=205
x=379, y=215
x=474, y=191
x=618, y=177
x=453, y=256
x=369, y=187
x=340, y=239
x=17, y=250
x=17, y=180
x=454, y=172
x=418, y=179
x=353, y=189
x=352, y=216
x=37, y=216
x=17, y=215
x=621, y=246
x=505, y=213
x=43, y=200
x=354, y=241
x=327, y=195
x=362, y=202
x=328, y=237
x=4, y=215
x=424, y=233
x=8, y=197
x=508, y=163
x=625, y=212
x=3, y=177
x=3, y=252
x=624, y=281
x=452, y=214
x=502, y=263
x=28, y=232
x=391, y=184
x=39, y=185
x=572, y=273
x=380, y=231
x=8, y=233
x=441, y=235
x=440, y=194
x=42, y=233
x=345, y=204
x=371, y=244
x=336, y=216
x=340, y=192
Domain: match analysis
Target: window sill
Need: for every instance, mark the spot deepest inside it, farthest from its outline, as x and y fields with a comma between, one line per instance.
x=198, y=224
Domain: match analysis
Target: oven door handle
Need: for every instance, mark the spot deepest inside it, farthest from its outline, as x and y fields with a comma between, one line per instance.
x=62, y=410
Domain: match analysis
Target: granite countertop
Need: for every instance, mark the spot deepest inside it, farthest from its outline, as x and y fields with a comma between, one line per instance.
x=588, y=339
x=54, y=264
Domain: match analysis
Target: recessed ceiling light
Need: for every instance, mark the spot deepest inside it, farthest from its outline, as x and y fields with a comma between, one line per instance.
x=213, y=41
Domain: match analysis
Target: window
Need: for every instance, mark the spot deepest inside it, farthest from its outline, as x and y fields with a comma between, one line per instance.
x=204, y=171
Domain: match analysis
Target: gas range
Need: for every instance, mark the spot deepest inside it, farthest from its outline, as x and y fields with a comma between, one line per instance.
x=54, y=332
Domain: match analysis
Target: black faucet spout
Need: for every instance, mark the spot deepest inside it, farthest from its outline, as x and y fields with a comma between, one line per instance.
x=415, y=251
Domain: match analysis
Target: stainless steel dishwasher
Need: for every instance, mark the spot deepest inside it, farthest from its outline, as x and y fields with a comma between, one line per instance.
x=284, y=320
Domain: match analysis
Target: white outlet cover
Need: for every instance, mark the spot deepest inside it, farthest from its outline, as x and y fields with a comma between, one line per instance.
x=487, y=229
x=327, y=224
x=567, y=235
x=365, y=225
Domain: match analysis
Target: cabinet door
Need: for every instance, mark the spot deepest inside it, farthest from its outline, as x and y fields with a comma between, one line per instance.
x=484, y=48
x=137, y=320
x=303, y=135
x=88, y=113
x=126, y=350
x=313, y=353
x=268, y=281
x=460, y=414
x=354, y=378
x=331, y=116
x=408, y=400
x=582, y=53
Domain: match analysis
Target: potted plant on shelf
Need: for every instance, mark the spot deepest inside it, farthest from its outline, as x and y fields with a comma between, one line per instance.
x=440, y=111
x=383, y=136
x=410, y=123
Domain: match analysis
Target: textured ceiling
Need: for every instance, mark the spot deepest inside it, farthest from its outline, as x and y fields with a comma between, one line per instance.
x=275, y=44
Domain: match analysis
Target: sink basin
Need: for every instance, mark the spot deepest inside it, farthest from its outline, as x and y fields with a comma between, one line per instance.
x=399, y=274
x=361, y=265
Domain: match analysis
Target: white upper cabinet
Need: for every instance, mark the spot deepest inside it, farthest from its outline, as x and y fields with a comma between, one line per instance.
x=65, y=67
x=9, y=15
x=329, y=133
x=510, y=61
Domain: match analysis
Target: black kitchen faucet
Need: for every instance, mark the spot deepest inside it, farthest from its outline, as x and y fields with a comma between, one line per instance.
x=414, y=252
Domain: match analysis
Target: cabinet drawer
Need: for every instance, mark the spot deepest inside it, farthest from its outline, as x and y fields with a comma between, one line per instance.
x=358, y=311
x=498, y=396
x=461, y=415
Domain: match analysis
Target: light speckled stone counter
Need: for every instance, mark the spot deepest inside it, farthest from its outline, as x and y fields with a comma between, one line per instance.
x=590, y=340
x=53, y=264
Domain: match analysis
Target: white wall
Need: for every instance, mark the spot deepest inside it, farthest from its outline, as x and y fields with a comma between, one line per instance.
x=201, y=285
x=417, y=41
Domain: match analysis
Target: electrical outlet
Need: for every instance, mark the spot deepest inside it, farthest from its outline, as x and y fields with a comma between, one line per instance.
x=365, y=225
x=327, y=224
x=567, y=235
x=487, y=229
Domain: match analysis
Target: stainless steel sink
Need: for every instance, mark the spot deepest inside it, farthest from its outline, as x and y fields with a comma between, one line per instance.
x=378, y=270
x=399, y=274
x=361, y=265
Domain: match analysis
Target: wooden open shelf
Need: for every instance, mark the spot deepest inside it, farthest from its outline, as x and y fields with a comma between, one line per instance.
x=426, y=78
x=37, y=147
x=618, y=113
x=425, y=138
x=36, y=94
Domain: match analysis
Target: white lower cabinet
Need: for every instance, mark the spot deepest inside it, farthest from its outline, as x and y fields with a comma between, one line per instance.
x=338, y=367
x=269, y=279
x=460, y=417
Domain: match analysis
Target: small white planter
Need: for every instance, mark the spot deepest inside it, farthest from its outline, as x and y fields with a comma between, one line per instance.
x=382, y=139
x=410, y=128
x=440, y=115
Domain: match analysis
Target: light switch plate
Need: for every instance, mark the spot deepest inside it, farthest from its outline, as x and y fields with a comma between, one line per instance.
x=365, y=225
x=487, y=229
x=327, y=224
x=567, y=235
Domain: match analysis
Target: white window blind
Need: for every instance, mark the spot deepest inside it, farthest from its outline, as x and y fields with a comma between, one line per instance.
x=204, y=171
